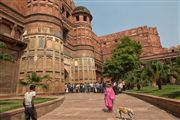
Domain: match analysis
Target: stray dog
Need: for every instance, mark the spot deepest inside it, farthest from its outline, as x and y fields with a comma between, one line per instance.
x=124, y=110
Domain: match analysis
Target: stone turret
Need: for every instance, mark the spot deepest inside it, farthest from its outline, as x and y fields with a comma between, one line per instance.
x=84, y=57
x=44, y=54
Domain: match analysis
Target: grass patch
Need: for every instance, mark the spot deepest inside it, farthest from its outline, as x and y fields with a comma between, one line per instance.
x=167, y=91
x=10, y=104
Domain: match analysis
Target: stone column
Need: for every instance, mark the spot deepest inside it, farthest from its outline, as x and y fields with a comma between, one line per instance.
x=14, y=27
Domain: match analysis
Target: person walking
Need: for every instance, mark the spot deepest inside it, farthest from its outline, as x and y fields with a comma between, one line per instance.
x=109, y=97
x=28, y=103
x=120, y=86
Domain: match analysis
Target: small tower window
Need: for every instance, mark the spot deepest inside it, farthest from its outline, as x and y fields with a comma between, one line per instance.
x=77, y=18
x=85, y=18
x=65, y=33
x=63, y=9
x=67, y=14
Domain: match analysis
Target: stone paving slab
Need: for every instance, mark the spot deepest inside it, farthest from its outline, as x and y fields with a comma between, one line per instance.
x=82, y=106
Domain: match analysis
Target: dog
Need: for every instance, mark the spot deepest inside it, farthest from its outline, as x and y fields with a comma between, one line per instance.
x=124, y=110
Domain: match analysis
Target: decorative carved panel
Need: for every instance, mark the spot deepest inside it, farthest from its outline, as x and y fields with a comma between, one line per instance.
x=31, y=63
x=49, y=43
x=57, y=64
x=39, y=63
x=49, y=63
x=42, y=41
x=5, y=29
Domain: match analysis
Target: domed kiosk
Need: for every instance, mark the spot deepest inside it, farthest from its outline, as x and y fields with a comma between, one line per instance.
x=82, y=10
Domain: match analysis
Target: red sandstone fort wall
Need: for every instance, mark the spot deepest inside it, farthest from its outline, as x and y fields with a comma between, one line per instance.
x=147, y=36
x=17, y=5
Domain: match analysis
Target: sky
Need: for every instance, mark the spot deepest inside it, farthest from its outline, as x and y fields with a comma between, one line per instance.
x=110, y=16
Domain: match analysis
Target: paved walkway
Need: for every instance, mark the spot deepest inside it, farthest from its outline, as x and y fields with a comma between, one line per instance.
x=89, y=107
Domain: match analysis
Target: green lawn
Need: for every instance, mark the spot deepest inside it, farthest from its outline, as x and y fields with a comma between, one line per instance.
x=168, y=91
x=9, y=104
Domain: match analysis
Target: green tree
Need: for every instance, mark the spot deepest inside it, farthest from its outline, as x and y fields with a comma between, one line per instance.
x=33, y=78
x=3, y=55
x=134, y=78
x=125, y=58
x=111, y=69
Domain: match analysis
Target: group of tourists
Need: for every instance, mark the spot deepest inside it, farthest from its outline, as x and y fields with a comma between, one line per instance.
x=107, y=88
x=85, y=88
x=93, y=87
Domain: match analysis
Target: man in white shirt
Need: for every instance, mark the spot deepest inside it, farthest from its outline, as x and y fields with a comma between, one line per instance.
x=28, y=103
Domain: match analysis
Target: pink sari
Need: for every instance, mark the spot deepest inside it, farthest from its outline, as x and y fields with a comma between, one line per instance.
x=109, y=97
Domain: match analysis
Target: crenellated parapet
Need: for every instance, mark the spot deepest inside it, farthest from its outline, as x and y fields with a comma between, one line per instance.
x=48, y=7
x=148, y=37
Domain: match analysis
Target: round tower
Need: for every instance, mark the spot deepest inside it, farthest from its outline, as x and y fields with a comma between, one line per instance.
x=44, y=54
x=84, y=67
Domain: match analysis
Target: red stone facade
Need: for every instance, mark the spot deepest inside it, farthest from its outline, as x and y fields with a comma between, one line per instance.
x=61, y=42
x=148, y=37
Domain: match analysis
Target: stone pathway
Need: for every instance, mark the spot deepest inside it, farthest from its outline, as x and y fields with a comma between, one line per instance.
x=82, y=106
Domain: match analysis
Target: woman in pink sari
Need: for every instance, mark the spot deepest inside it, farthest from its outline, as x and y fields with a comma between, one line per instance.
x=109, y=97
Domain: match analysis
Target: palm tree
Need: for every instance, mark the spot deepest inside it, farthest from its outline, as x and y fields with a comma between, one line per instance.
x=174, y=69
x=33, y=78
x=177, y=69
x=157, y=71
x=154, y=71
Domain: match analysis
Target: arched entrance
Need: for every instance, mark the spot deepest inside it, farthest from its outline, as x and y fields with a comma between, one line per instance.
x=66, y=76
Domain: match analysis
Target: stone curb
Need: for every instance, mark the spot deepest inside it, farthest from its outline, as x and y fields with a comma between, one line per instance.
x=169, y=105
x=42, y=109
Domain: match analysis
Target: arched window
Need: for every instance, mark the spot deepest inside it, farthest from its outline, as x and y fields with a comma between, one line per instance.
x=65, y=33
x=65, y=73
x=17, y=34
x=62, y=10
x=67, y=14
x=85, y=18
x=77, y=18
